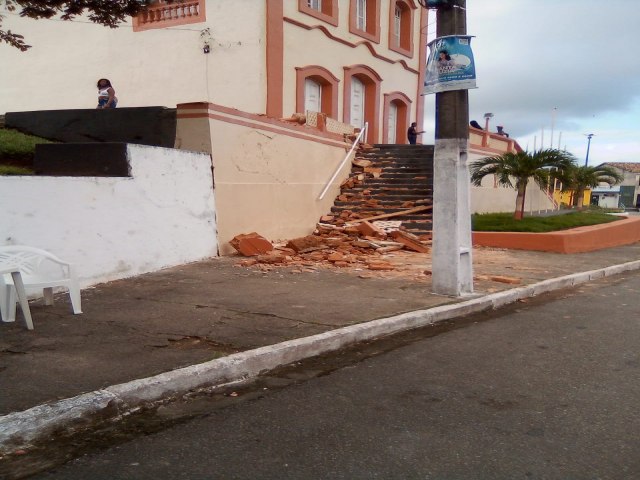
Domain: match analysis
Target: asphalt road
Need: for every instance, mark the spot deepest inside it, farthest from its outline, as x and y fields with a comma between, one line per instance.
x=549, y=390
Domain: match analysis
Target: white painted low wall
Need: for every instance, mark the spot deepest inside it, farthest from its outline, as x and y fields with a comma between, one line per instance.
x=492, y=198
x=111, y=228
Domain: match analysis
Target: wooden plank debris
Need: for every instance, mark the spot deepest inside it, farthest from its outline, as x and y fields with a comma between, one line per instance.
x=391, y=215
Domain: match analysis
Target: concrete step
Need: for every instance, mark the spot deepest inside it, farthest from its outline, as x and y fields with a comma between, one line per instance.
x=406, y=176
x=399, y=174
x=387, y=191
x=398, y=182
x=371, y=212
x=390, y=162
x=401, y=148
x=384, y=201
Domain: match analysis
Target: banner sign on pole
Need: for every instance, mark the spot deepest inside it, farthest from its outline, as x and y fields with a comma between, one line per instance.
x=450, y=65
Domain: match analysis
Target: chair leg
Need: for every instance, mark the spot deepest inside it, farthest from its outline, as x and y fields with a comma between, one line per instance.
x=22, y=297
x=74, y=295
x=48, y=295
x=11, y=304
x=5, y=302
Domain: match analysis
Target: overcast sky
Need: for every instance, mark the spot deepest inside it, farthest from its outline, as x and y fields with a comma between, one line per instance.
x=579, y=56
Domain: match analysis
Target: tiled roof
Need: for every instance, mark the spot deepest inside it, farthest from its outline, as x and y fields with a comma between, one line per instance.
x=626, y=166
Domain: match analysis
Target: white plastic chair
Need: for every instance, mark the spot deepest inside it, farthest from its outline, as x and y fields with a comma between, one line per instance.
x=32, y=263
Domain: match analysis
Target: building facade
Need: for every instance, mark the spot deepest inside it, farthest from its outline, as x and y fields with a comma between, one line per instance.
x=356, y=61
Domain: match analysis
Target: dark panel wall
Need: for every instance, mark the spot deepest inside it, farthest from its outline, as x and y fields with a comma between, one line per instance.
x=82, y=160
x=155, y=126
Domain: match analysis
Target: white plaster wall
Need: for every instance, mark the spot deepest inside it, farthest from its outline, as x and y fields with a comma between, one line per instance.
x=608, y=202
x=154, y=67
x=269, y=182
x=111, y=228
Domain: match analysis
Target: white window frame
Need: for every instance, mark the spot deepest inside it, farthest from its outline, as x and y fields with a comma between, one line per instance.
x=315, y=4
x=357, y=84
x=309, y=82
x=397, y=25
x=361, y=15
x=392, y=123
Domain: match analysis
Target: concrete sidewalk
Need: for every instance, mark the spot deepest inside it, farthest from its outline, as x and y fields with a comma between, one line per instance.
x=154, y=323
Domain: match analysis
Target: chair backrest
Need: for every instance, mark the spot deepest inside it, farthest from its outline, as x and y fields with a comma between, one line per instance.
x=27, y=259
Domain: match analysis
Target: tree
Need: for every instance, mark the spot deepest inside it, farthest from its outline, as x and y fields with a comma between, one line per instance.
x=515, y=169
x=109, y=13
x=580, y=179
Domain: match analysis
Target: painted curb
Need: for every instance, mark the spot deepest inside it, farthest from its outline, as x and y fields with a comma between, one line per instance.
x=21, y=429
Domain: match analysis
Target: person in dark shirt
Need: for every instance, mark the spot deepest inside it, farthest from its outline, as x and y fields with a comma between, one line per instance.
x=412, y=133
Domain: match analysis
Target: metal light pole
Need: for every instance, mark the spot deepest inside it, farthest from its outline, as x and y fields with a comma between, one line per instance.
x=452, y=268
x=553, y=124
x=586, y=161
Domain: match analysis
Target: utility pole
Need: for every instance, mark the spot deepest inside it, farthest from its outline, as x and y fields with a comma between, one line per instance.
x=452, y=268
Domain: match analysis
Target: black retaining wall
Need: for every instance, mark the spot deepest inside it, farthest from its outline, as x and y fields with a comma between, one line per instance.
x=154, y=126
x=82, y=160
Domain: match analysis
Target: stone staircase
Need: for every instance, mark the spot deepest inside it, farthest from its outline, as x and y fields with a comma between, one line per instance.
x=399, y=178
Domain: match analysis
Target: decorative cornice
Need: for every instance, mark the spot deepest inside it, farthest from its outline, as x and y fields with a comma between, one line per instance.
x=366, y=43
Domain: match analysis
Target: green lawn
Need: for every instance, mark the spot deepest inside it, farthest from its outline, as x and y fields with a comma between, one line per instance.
x=504, y=222
x=16, y=151
x=13, y=170
x=14, y=143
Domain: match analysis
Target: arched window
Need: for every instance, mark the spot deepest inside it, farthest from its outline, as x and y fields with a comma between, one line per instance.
x=401, y=26
x=316, y=87
x=362, y=98
x=364, y=19
x=395, y=120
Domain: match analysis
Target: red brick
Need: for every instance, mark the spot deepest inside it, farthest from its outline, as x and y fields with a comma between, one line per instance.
x=274, y=257
x=380, y=266
x=503, y=279
x=305, y=243
x=361, y=163
x=335, y=257
x=369, y=230
x=251, y=244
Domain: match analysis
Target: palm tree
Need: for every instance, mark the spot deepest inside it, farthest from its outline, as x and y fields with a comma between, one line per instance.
x=580, y=179
x=515, y=169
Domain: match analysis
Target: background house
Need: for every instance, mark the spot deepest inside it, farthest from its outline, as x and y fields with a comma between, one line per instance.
x=630, y=185
x=606, y=196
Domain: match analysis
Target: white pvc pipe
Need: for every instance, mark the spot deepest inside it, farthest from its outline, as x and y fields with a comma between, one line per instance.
x=335, y=174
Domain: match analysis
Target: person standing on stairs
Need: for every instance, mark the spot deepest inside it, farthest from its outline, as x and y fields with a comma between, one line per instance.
x=412, y=133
